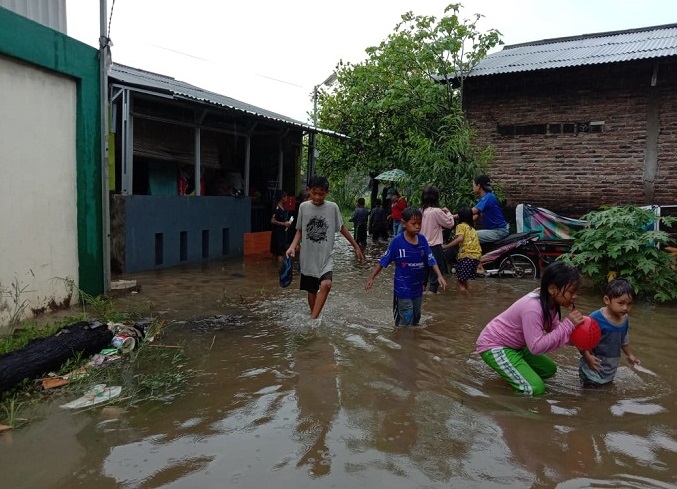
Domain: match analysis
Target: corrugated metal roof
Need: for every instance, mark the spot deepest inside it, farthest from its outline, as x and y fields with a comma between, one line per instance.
x=178, y=89
x=51, y=13
x=588, y=49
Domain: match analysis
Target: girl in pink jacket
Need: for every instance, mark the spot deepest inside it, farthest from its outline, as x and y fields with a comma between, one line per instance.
x=514, y=343
x=435, y=219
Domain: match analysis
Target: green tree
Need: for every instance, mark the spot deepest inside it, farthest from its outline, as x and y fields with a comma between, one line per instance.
x=398, y=111
x=620, y=241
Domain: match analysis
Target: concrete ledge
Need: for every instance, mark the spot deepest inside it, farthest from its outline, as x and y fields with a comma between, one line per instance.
x=118, y=288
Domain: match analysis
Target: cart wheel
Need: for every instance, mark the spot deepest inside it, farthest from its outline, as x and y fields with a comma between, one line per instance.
x=518, y=266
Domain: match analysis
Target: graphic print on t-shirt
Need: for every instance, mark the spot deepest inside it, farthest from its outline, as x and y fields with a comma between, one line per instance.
x=316, y=230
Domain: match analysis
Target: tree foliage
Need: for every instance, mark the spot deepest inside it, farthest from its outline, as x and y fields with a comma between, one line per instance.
x=620, y=241
x=397, y=111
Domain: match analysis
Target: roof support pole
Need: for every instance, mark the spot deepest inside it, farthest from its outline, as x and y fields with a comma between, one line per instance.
x=280, y=166
x=198, y=184
x=247, y=157
x=280, y=159
x=127, y=144
x=651, y=145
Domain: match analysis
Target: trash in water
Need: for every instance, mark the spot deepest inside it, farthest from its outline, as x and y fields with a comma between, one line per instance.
x=639, y=368
x=104, y=356
x=51, y=383
x=123, y=343
x=126, y=336
x=96, y=395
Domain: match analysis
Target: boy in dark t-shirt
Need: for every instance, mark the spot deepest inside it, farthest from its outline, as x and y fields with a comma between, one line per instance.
x=378, y=223
x=359, y=220
x=279, y=224
x=411, y=254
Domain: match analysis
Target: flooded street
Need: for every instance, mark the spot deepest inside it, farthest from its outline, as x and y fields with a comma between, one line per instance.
x=349, y=401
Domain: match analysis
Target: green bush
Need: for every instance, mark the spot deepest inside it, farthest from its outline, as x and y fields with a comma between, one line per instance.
x=620, y=241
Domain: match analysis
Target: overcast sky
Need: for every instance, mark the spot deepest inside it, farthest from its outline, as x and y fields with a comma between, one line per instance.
x=271, y=53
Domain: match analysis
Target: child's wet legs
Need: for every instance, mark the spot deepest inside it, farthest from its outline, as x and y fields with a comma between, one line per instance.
x=312, y=297
x=514, y=368
x=320, y=299
x=541, y=364
x=407, y=312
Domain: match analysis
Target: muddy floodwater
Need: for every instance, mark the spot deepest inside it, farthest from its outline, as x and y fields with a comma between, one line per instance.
x=280, y=401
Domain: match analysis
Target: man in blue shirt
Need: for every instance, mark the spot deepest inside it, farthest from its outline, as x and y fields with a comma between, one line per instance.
x=494, y=225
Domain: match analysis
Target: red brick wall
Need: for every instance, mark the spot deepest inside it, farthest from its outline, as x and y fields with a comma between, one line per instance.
x=573, y=173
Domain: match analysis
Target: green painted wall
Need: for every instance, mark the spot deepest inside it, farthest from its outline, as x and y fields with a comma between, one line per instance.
x=33, y=43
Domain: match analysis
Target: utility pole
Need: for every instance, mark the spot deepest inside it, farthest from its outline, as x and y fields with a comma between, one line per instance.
x=312, y=137
x=104, y=58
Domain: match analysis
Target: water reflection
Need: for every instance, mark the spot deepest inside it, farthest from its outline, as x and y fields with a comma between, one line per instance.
x=318, y=401
x=281, y=401
x=397, y=431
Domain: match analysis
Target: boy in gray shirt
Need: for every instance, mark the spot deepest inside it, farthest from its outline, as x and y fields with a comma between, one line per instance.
x=318, y=222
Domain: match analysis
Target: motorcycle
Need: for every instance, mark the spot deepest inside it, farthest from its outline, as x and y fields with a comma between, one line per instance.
x=515, y=256
x=542, y=237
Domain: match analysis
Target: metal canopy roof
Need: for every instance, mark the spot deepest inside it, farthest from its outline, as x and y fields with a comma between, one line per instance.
x=154, y=82
x=588, y=49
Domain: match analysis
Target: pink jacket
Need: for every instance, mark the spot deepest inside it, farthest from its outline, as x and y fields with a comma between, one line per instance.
x=522, y=325
x=434, y=219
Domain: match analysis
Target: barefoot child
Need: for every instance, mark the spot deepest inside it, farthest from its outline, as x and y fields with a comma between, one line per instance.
x=318, y=222
x=412, y=255
x=515, y=341
x=598, y=366
x=469, y=250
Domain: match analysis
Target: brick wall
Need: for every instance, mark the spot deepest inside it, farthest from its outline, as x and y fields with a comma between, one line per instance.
x=573, y=172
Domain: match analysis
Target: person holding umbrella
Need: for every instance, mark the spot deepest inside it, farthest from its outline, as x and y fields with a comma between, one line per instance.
x=390, y=197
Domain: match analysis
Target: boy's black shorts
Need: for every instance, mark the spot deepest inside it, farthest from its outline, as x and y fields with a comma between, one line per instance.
x=312, y=284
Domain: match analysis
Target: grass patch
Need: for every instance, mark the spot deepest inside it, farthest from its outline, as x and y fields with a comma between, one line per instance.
x=11, y=408
x=31, y=330
x=15, y=293
x=147, y=374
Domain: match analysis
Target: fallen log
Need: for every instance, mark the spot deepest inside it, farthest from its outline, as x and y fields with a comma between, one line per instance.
x=44, y=355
